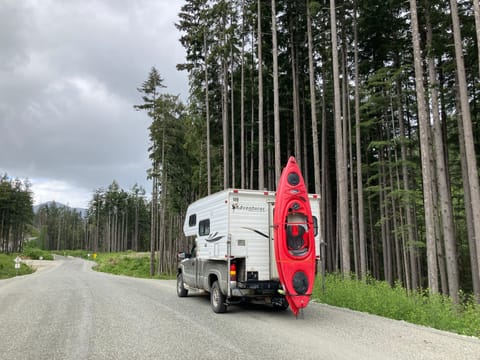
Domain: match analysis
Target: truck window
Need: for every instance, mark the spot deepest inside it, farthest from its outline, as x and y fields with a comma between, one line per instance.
x=204, y=227
x=192, y=220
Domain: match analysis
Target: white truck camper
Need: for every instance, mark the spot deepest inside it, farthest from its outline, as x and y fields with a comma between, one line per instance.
x=233, y=258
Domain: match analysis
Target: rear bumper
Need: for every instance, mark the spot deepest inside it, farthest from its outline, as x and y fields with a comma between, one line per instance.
x=256, y=289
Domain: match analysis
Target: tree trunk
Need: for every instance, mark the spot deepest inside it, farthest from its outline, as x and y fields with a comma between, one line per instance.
x=261, y=165
x=232, y=120
x=412, y=275
x=163, y=200
x=295, y=100
x=471, y=159
x=425, y=154
x=361, y=216
x=153, y=224
x=276, y=109
x=476, y=9
x=445, y=197
x=385, y=231
x=468, y=213
x=242, y=104
x=353, y=200
x=342, y=185
x=315, y=148
x=226, y=171
x=207, y=116
x=313, y=104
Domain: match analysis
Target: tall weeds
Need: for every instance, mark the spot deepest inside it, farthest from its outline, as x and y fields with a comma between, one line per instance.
x=378, y=297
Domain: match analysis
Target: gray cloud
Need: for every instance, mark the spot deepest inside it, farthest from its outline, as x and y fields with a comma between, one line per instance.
x=69, y=71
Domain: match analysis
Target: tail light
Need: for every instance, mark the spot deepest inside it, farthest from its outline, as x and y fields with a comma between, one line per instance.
x=233, y=272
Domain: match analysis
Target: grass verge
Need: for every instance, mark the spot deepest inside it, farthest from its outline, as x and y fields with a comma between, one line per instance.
x=127, y=263
x=7, y=267
x=379, y=298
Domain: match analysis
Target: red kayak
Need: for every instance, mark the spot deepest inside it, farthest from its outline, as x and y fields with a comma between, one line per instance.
x=294, y=237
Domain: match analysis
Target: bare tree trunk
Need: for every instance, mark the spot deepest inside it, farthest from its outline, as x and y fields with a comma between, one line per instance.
x=328, y=229
x=385, y=231
x=348, y=151
x=404, y=248
x=296, y=101
x=163, y=200
x=425, y=154
x=405, y=276
x=153, y=217
x=468, y=213
x=313, y=104
x=440, y=251
x=315, y=147
x=361, y=216
x=396, y=242
x=476, y=9
x=252, y=138
x=261, y=165
x=135, y=236
x=353, y=200
x=242, y=104
x=408, y=206
x=207, y=116
x=276, y=109
x=446, y=211
x=232, y=119
x=471, y=159
x=270, y=158
x=226, y=171
x=342, y=186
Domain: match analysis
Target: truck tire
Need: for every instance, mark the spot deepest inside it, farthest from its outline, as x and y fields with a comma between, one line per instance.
x=181, y=291
x=217, y=299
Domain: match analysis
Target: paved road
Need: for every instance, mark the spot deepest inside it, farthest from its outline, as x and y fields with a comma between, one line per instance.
x=68, y=311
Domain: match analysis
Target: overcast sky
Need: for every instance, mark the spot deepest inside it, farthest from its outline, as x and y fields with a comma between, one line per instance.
x=69, y=73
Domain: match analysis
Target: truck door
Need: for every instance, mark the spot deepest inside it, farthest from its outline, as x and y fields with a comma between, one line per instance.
x=189, y=276
x=190, y=269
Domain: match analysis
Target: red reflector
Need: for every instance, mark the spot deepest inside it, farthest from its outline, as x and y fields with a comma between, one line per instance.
x=265, y=193
x=315, y=196
x=235, y=191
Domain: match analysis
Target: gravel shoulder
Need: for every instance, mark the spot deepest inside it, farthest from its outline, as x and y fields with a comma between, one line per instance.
x=40, y=265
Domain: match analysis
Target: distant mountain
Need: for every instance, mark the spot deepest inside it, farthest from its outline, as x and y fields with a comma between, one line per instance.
x=82, y=211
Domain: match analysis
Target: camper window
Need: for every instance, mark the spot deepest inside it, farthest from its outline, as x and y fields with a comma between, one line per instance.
x=315, y=226
x=204, y=227
x=192, y=220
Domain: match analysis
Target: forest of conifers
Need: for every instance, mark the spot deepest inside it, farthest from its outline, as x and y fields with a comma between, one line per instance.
x=383, y=118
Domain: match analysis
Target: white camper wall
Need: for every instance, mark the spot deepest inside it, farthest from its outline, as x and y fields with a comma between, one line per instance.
x=248, y=212
x=212, y=208
x=244, y=215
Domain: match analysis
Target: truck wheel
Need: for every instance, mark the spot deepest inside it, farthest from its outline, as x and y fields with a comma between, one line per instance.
x=217, y=299
x=181, y=291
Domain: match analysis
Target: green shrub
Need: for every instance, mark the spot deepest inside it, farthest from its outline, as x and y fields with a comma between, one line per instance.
x=36, y=253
